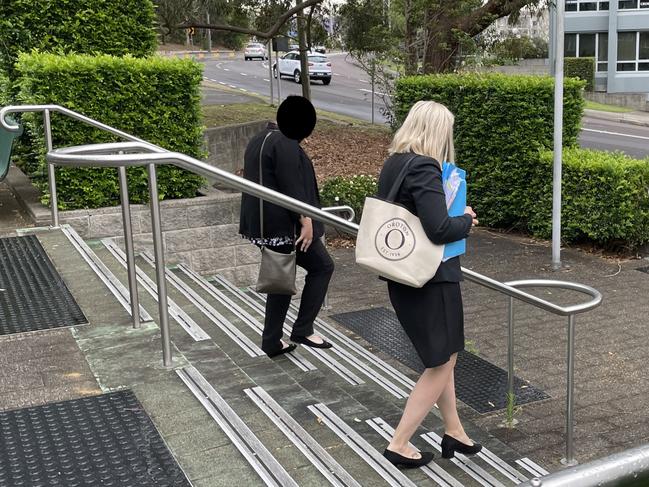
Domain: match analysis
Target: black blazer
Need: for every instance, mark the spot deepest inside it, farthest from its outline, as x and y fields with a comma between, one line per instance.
x=286, y=169
x=422, y=194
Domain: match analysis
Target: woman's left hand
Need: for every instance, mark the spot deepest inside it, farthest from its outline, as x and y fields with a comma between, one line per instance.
x=306, y=234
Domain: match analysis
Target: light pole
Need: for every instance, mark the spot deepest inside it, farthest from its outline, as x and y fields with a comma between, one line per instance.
x=558, y=134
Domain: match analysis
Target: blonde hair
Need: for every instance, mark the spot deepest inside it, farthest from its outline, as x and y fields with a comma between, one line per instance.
x=428, y=131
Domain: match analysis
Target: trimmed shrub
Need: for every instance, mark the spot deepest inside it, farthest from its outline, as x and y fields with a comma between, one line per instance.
x=582, y=68
x=501, y=122
x=156, y=99
x=116, y=27
x=604, y=198
x=350, y=191
x=5, y=96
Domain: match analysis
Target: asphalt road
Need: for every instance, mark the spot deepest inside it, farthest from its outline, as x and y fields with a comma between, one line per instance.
x=350, y=94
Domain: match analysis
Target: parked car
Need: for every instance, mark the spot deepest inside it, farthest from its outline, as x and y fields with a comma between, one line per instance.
x=289, y=65
x=255, y=50
x=293, y=47
x=320, y=49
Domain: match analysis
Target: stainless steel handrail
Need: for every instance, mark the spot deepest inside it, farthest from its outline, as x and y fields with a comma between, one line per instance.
x=120, y=155
x=627, y=468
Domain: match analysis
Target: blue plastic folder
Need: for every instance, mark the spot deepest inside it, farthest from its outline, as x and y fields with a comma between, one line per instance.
x=454, y=182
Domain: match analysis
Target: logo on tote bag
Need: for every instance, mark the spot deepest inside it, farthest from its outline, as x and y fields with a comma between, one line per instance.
x=395, y=240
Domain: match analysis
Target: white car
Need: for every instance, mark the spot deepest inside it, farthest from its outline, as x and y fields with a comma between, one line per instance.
x=254, y=51
x=289, y=65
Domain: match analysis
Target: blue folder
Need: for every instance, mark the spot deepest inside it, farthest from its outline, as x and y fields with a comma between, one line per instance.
x=454, y=182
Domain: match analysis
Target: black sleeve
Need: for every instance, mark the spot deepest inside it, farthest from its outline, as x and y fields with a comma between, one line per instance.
x=289, y=171
x=424, y=181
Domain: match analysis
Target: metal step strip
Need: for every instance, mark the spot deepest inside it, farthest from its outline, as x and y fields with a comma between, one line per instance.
x=105, y=275
x=534, y=468
x=176, y=312
x=317, y=455
x=501, y=465
x=379, y=363
x=367, y=452
x=321, y=354
x=208, y=310
x=433, y=470
x=253, y=450
x=470, y=467
x=302, y=363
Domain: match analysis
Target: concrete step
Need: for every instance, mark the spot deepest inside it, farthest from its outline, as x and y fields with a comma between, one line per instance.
x=342, y=402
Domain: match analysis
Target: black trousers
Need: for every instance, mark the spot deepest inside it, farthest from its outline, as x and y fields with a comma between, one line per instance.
x=319, y=266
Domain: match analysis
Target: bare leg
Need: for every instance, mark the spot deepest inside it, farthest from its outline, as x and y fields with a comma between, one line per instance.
x=448, y=407
x=422, y=399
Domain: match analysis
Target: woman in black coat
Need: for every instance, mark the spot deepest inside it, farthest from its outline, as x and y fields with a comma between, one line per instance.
x=432, y=316
x=287, y=169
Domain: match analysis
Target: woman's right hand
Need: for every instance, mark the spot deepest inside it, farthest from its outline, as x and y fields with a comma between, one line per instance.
x=469, y=211
x=306, y=234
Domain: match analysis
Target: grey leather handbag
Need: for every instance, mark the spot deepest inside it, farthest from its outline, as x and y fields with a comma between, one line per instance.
x=277, y=270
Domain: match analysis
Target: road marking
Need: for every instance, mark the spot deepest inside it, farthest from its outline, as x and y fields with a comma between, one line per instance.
x=243, y=74
x=243, y=89
x=370, y=91
x=222, y=83
x=267, y=80
x=226, y=69
x=232, y=86
x=606, y=132
x=363, y=81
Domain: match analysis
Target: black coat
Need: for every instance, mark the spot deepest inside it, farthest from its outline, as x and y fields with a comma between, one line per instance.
x=422, y=194
x=286, y=169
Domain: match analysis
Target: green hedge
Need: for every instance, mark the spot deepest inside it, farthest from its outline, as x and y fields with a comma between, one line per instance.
x=116, y=27
x=582, y=68
x=501, y=122
x=604, y=198
x=154, y=98
x=349, y=191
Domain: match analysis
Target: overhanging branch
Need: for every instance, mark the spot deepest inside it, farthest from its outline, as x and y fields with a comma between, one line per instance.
x=253, y=32
x=484, y=16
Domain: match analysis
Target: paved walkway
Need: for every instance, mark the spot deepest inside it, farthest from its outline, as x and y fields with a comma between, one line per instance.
x=611, y=374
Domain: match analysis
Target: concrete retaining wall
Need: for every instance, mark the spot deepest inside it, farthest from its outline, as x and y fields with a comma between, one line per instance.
x=227, y=145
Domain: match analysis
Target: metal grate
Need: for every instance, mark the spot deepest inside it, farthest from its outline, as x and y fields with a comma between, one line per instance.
x=33, y=295
x=105, y=440
x=478, y=383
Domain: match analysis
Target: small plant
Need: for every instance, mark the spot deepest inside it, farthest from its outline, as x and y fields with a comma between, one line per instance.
x=469, y=346
x=511, y=410
x=350, y=191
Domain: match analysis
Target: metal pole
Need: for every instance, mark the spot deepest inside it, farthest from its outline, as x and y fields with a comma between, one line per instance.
x=279, y=79
x=158, y=251
x=325, y=303
x=570, y=398
x=270, y=70
x=128, y=243
x=209, y=34
x=51, y=173
x=510, y=348
x=304, y=53
x=373, y=68
x=558, y=135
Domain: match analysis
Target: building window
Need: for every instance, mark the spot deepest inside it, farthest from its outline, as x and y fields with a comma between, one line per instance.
x=586, y=5
x=633, y=4
x=588, y=45
x=633, y=51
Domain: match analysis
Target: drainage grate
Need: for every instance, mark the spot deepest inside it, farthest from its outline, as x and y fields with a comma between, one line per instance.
x=478, y=383
x=105, y=440
x=33, y=295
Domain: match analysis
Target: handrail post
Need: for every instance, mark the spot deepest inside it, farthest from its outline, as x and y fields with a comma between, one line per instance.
x=51, y=173
x=128, y=243
x=158, y=250
x=510, y=348
x=569, y=460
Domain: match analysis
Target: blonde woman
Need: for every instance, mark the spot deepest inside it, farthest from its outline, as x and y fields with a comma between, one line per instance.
x=432, y=316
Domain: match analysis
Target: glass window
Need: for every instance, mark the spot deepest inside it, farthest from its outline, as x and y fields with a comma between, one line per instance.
x=644, y=4
x=643, y=66
x=602, y=67
x=586, y=45
x=570, y=45
x=626, y=66
x=571, y=6
x=587, y=6
x=603, y=5
x=643, y=52
x=626, y=4
x=626, y=46
x=602, y=47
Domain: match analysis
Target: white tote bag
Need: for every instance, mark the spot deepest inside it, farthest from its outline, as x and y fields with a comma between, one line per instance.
x=392, y=243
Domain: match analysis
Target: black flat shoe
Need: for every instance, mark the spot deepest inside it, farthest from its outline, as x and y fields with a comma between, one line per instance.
x=450, y=445
x=309, y=343
x=282, y=351
x=405, y=462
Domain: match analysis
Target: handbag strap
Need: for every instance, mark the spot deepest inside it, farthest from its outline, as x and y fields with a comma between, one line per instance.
x=396, y=186
x=261, y=182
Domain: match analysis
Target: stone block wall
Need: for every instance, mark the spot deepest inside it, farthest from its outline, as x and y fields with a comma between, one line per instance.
x=227, y=145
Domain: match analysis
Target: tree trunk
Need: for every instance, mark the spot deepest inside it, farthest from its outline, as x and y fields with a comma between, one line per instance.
x=304, y=54
x=441, y=49
x=410, y=40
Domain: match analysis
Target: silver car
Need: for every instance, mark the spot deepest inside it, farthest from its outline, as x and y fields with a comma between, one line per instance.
x=289, y=65
x=254, y=51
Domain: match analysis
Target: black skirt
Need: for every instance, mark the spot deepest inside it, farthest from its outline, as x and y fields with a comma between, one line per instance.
x=432, y=317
